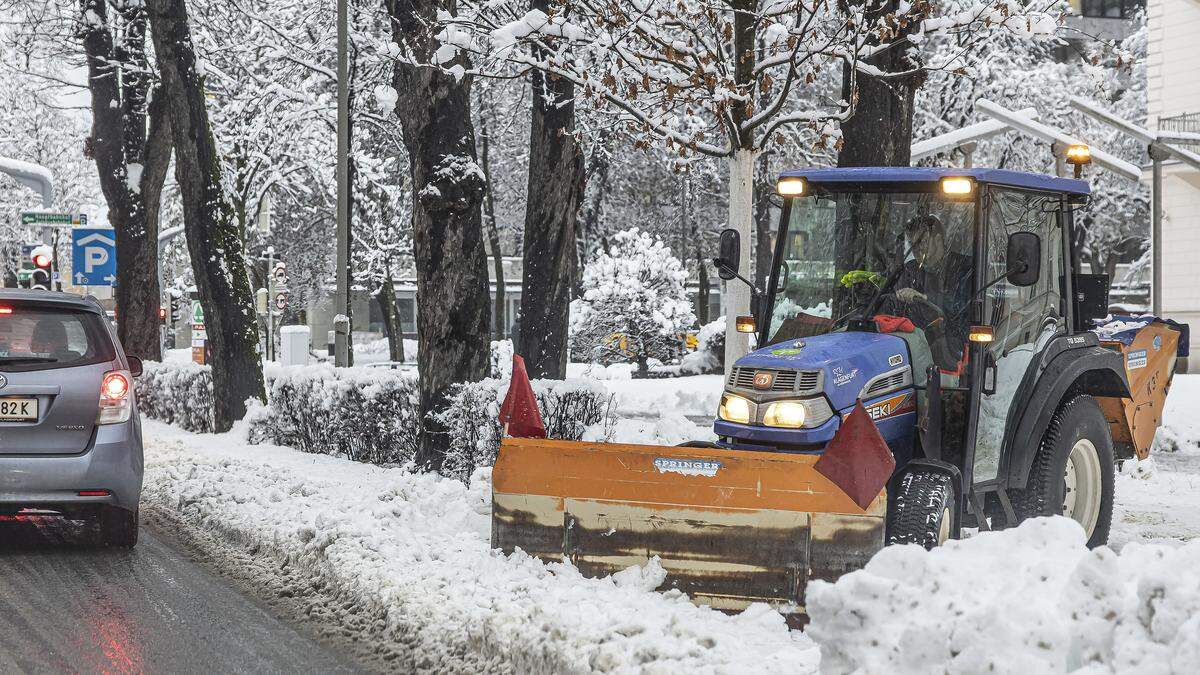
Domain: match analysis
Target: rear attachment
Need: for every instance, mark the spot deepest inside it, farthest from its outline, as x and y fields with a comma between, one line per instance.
x=731, y=526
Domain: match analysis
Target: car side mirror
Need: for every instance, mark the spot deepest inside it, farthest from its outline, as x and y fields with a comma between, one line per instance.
x=1024, y=260
x=729, y=254
x=135, y=366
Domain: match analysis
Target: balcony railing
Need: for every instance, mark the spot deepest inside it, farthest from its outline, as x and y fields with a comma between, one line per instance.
x=1187, y=123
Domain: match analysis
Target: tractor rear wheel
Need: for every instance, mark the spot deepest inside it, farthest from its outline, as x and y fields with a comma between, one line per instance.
x=1073, y=472
x=922, y=510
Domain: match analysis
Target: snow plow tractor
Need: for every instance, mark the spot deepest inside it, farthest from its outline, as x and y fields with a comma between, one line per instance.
x=938, y=314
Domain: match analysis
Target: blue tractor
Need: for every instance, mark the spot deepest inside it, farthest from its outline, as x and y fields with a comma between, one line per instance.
x=949, y=304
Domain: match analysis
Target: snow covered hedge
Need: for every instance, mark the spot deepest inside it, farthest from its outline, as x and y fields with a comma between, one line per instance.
x=569, y=408
x=364, y=414
x=177, y=393
x=371, y=414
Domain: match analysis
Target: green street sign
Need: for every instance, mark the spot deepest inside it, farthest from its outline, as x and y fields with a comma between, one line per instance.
x=53, y=219
x=197, y=313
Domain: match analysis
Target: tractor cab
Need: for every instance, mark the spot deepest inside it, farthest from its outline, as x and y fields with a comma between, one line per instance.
x=928, y=294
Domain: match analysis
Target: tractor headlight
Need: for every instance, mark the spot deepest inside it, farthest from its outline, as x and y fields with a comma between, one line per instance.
x=797, y=414
x=790, y=414
x=734, y=409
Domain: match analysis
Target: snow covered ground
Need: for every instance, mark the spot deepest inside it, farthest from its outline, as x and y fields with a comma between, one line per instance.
x=411, y=553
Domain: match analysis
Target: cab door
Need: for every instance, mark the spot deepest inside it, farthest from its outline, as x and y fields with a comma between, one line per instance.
x=1024, y=319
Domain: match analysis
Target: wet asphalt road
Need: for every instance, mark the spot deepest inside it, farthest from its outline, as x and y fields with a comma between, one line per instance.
x=68, y=607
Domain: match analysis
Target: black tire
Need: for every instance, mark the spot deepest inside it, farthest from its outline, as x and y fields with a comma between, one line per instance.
x=922, y=509
x=118, y=527
x=1079, y=419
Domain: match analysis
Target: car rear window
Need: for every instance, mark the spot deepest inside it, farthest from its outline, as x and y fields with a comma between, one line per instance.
x=42, y=338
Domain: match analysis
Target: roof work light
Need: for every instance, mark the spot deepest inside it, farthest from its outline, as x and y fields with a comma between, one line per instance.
x=1077, y=155
x=958, y=186
x=791, y=186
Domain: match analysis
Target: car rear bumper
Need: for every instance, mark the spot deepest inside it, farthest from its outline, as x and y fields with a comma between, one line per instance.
x=113, y=463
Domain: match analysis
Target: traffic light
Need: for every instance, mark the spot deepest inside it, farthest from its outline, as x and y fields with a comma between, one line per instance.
x=162, y=315
x=42, y=258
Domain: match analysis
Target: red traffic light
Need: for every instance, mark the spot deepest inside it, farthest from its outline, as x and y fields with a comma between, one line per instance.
x=162, y=314
x=42, y=257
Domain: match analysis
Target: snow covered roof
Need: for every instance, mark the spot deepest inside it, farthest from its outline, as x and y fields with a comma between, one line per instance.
x=916, y=174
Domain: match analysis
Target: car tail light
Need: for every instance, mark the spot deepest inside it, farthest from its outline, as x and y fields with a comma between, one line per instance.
x=116, y=404
x=5, y=310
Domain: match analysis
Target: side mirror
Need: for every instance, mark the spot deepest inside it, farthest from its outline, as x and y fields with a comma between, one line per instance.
x=1024, y=258
x=135, y=366
x=729, y=254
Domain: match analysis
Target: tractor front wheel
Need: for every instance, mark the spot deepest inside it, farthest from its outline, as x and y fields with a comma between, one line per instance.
x=922, y=509
x=1073, y=471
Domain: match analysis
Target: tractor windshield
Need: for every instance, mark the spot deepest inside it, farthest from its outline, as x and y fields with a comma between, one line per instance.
x=862, y=254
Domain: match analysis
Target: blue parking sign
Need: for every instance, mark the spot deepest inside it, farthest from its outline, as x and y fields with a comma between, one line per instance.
x=93, y=256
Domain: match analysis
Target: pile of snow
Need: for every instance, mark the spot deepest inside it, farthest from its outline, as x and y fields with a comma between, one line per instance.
x=1028, y=600
x=412, y=552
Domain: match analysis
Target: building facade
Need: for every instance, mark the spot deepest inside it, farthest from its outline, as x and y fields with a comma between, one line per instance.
x=1173, y=92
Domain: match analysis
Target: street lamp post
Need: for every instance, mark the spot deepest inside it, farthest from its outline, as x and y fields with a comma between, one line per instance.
x=341, y=338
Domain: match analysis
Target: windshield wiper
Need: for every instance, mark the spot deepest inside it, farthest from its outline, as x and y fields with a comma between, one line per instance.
x=27, y=359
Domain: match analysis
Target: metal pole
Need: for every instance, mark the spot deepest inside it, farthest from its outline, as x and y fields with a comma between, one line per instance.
x=1157, y=155
x=341, y=340
x=270, y=303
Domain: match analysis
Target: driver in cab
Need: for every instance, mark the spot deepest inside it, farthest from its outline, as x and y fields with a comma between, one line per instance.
x=933, y=291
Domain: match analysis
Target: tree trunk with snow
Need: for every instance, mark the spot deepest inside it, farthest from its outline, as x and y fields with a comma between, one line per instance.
x=764, y=189
x=452, y=286
x=551, y=211
x=213, y=236
x=131, y=161
x=493, y=232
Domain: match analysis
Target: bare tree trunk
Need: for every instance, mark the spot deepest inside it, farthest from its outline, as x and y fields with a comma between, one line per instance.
x=880, y=131
x=452, y=293
x=119, y=81
x=551, y=212
x=735, y=296
x=493, y=233
x=391, y=317
x=213, y=237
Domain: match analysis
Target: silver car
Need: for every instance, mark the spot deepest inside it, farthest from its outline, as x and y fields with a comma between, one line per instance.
x=70, y=436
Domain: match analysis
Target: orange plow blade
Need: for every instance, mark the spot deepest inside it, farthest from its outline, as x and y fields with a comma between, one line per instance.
x=731, y=527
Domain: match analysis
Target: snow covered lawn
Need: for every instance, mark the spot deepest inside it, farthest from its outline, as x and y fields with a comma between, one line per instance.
x=413, y=550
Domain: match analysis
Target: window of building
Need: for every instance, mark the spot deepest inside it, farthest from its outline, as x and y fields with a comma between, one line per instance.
x=1112, y=9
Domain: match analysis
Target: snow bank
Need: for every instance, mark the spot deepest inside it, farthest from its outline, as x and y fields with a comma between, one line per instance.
x=413, y=551
x=1027, y=600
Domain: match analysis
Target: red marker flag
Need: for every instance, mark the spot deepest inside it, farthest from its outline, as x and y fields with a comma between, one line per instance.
x=858, y=460
x=519, y=413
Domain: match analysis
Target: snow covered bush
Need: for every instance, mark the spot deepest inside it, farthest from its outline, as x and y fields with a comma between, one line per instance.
x=570, y=409
x=363, y=414
x=177, y=393
x=634, y=305
x=501, y=365
x=709, y=356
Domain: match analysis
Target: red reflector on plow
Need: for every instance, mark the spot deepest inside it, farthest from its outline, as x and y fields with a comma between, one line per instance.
x=858, y=460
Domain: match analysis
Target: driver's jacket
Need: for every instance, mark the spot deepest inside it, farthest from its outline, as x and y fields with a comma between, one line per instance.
x=943, y=317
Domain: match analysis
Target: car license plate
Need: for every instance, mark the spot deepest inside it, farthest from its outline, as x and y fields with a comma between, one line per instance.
x=19, y=409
